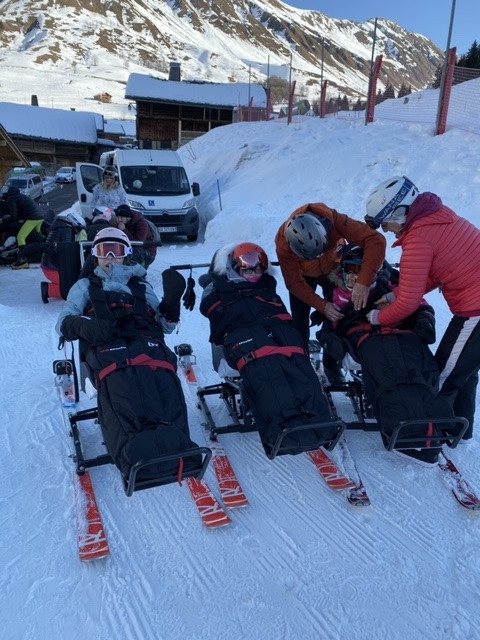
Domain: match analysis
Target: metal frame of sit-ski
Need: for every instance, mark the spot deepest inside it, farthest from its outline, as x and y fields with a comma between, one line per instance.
x=451, y=429
x=230, y=391
x=66, y=374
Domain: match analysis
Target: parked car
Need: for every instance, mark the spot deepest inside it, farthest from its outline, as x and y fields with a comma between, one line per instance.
x=30, y=184
x=66, y=174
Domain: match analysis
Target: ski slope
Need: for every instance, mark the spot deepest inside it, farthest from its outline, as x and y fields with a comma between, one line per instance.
x=299, y=562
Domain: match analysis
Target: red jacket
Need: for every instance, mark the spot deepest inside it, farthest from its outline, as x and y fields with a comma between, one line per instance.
x=294, y=269
x=439, y=249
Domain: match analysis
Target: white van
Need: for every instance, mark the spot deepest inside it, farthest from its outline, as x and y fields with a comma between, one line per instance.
x=156, y=185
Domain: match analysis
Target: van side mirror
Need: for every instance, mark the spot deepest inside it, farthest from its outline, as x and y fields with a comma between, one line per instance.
x=195, y=188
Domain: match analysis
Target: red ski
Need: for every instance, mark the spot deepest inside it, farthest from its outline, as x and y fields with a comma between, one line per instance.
x=208, y=507
x=462, y=491
x=92, y=541
x=330, y=472
x=230, y=488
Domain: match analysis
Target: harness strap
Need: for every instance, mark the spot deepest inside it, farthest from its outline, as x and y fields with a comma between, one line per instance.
x=262, y=352
x=141, y=360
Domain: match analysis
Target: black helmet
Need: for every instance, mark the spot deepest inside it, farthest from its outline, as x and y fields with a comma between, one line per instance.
x=307, y=235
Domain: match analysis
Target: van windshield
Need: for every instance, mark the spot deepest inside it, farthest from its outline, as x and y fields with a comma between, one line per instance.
x=149, y=181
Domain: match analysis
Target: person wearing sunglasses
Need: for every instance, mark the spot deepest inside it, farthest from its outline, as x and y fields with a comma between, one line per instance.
x=108, y=193
x=249, y=320
x=120, y=323
x=440, y=249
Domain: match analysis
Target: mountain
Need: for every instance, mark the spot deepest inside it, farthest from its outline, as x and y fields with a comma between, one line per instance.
x=214, y=40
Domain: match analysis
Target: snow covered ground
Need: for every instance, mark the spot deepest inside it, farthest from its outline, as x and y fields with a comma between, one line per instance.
x=298, y=563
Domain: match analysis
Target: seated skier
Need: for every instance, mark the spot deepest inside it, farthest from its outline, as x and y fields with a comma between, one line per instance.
x=121, y=324
x=250, y=321
x=399, y=372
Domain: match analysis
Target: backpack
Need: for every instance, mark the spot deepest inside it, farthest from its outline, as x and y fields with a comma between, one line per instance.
x=156, y=237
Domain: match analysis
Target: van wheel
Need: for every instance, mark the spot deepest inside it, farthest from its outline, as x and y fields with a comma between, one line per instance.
x=193, y=238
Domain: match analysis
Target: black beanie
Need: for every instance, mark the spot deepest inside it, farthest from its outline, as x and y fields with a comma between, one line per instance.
x=124, y=211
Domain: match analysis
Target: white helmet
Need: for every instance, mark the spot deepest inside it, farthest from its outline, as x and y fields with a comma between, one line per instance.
x=306, y=235
x=390, y=201
x=103, y=212
x=112, y=234
x=75, y=219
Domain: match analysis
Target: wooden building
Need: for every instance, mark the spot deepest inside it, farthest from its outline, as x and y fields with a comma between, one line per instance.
x=173, y=112
x=10, y=155
x=54, y=137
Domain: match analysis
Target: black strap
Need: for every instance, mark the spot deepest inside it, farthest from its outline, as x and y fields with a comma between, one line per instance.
x=106, y=309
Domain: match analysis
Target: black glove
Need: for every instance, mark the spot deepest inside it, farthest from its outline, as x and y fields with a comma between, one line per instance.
x=92, y=330
x=173, y=288
x=189, y=296
x=316, y=318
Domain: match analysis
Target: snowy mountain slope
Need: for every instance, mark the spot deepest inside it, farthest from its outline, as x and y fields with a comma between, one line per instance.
x=298, y=562
x=220, y=41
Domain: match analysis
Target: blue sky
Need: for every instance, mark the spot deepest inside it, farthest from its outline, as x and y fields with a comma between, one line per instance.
x=431, y=19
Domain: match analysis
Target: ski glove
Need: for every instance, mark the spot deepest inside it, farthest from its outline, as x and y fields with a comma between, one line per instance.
x=189, y=296
x=173, y=288
x=92, y=330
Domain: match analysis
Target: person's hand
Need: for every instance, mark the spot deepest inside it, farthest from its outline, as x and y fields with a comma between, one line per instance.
x=385, y=300
x=332, y=312
x=360, y=296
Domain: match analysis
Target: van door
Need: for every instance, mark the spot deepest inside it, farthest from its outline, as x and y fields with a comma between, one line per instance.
x=88, y=175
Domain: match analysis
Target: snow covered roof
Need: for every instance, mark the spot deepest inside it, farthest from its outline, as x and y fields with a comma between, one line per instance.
x=121, y=127
x=142, y=87
x=48, y=124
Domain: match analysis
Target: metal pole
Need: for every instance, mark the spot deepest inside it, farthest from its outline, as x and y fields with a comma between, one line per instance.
x=371, y=68
x=321, y=73
x=445, y=64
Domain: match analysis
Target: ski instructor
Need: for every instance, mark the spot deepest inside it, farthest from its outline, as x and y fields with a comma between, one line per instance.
x=439, y=249
x=309, y=245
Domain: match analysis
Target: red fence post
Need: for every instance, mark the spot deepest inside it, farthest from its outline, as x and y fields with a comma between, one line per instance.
x=290, y=102
x=269, y=105
x=372, y=89
x=447, y=90
x=323, y=99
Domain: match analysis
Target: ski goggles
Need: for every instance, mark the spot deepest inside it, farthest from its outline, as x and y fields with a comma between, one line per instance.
x=111, y=250
x=252, y=271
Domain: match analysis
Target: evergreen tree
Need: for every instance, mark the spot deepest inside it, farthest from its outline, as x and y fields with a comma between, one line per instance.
x=379, y=97
x=471, y=59
x=345, y=104
x=404, y=90
x=389, y=92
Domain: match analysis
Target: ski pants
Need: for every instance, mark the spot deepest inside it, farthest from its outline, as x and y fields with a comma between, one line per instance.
x=458, y=359
x=26, y=229
x=301, y=317
x=53, y=290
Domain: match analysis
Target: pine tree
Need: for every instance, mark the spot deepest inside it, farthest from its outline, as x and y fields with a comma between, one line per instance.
x=389, y=92
x=404, y=90
x=471, y=59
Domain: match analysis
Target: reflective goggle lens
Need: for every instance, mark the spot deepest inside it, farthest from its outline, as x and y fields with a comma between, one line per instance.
x=258, y=270
x=112, y=249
